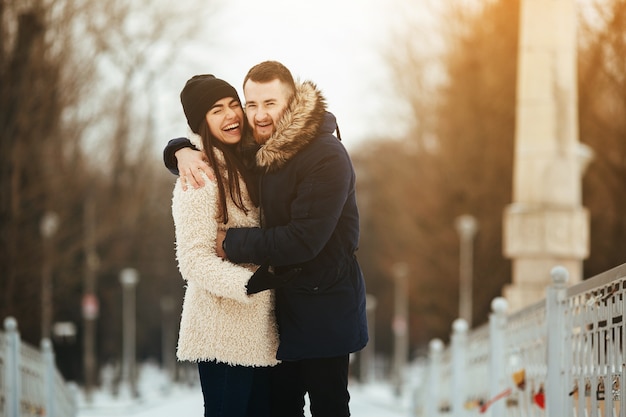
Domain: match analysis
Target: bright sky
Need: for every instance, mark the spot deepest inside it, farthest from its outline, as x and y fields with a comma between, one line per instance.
x=338, y=44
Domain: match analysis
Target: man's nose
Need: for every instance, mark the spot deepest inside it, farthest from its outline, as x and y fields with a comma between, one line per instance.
x=260, y=114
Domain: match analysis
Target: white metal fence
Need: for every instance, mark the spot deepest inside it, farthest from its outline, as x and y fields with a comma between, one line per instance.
x=563, y=356
x=30, y=384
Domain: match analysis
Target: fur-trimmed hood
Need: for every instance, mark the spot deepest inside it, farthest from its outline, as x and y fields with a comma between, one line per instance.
x=297, y=128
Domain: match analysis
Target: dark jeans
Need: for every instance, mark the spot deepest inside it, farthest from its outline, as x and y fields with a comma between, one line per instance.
x=325, y=380
x=234, y=391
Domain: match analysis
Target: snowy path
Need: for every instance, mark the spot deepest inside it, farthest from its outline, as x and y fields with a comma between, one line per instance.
x=371, y=400
x=367, y=401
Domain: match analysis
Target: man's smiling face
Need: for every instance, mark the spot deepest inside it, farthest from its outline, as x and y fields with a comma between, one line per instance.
x=265, y=105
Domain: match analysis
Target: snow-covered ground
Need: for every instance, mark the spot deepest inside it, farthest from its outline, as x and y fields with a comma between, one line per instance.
x=157, y=400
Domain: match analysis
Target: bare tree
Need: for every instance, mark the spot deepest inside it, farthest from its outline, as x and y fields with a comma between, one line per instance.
x=77, y=109
x=457, y=159
x=602, y=104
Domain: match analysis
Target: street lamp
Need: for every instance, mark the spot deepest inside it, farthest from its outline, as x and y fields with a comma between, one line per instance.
x=400, y=324
x=48, y=227
x=466, y=226
x=90, y=303
x=129, y=279
x=64, y=333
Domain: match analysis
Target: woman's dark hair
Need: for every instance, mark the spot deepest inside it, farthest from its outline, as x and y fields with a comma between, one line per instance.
x=236, y=167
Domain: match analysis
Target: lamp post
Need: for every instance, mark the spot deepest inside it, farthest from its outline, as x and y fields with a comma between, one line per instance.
x=400, y=324
x=129, y=279
x=48, y=227
x=466, y=226
x=90, y=303
x=64, y=333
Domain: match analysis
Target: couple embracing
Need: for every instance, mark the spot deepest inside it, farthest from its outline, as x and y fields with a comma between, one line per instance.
x=267, y=228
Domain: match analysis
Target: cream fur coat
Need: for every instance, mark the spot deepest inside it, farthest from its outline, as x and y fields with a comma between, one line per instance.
x=219, y=321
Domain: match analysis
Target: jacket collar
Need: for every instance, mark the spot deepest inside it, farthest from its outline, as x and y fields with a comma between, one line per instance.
x=299, y=126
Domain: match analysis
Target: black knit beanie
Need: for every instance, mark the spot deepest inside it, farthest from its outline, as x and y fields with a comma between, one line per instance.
x=200, y=93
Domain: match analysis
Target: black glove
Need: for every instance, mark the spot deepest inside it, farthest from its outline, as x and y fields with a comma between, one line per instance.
x=263, y=279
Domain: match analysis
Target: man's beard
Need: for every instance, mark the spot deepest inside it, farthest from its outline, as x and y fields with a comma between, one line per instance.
x=260, y=139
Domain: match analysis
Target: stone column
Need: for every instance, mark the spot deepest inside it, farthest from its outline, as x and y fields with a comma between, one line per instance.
x=546, y=224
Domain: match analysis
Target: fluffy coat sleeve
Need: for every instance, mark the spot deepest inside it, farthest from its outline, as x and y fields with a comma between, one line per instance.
x=195, y=219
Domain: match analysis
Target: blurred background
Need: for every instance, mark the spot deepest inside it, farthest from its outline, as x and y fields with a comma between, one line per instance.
x=424, y=92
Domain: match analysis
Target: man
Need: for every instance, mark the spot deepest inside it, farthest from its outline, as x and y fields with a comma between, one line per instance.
x=310, y=222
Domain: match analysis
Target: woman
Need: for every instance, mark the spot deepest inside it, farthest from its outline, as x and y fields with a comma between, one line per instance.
x=231, y=335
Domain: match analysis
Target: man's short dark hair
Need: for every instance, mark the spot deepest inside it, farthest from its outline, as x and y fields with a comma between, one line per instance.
x=269, y=71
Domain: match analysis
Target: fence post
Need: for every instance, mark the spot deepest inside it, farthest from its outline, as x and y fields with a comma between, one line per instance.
x=458, y=344
x=433, y=384
x=497, y=326
x=12, y=372
x=48, y=379
x=556, y=402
